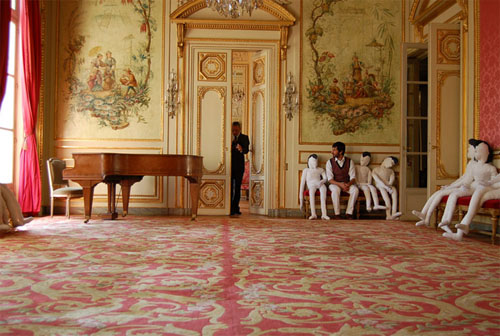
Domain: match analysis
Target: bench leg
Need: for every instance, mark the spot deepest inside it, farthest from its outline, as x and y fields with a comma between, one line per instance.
x=494, y=224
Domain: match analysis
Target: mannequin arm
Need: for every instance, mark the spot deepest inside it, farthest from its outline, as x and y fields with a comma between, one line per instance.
x=370, y=177
x=302, y=187
x=392, y=179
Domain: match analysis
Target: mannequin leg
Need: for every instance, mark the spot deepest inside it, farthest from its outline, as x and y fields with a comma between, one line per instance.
x=455, y=236
x=474, y=205
x=395, y=214
x=312, y=202
x=451, y=205
x=353, y=196
x=387, y=200
x=376, y=203
x=435, y=200
x=322, y=192
x=335, y=190
x=368, y=197
x=430, y=206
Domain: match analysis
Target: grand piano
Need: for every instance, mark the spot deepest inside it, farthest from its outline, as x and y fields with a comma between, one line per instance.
x=127, y=169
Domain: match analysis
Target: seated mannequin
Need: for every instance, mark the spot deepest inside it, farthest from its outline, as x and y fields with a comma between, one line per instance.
x=364, y=182
x=11, y=215
x=480, y=195
x=483, y=173
x=315, y=178
x=433, y=201
x=384, y=178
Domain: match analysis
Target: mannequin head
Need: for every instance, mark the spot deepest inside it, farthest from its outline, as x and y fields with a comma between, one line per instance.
x=365, y=158
x=312, y=161
x=471, y=150
x=390, y=162
x=484, y=153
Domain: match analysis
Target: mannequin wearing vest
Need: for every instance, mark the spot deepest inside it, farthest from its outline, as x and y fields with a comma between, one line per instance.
x=341, y=175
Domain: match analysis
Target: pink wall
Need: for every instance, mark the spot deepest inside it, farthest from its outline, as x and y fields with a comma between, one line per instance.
x=489, y=72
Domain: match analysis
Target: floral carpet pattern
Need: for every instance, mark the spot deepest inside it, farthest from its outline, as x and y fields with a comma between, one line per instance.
x=244, y=276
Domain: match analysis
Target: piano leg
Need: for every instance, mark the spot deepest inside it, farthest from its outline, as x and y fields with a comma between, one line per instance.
x=126, y=185
x=88, y=196
x=112, y=214
x=194, y=188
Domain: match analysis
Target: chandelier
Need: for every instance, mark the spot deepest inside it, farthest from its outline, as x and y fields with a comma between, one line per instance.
x=234, y=8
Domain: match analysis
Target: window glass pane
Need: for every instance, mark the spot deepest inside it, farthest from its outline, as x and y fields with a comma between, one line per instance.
x=13, y=4
x=416, y=100
x=7, y=109
x=7, y=155
x=416, y=171
x=416, y=135
x=417, y=64
x=12, y=49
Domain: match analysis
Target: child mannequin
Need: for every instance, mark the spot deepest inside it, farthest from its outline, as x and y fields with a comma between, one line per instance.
x=315, y=178
x=384, y=178
x=364, y=182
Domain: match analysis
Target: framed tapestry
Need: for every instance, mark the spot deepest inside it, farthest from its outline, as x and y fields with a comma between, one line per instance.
x=350, y=72
x=109, y=70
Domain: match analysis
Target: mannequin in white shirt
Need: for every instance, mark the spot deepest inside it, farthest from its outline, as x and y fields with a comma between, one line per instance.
x=364, y=182
x=315, y=178
x=385, y=177
x=344, y=180
x=11, y=215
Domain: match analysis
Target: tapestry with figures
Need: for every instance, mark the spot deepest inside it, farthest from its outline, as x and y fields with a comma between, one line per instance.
x=351, y=71
x=109, y=76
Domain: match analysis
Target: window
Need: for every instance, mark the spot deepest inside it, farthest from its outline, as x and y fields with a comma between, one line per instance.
x=9, y=103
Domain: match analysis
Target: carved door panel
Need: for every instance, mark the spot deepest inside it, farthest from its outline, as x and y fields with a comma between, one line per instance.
x=209, y=125
x=444, y=105
x=259, y=107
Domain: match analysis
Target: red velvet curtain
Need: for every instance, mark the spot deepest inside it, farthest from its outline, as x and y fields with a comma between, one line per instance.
x=31, y=47
x=4, y=45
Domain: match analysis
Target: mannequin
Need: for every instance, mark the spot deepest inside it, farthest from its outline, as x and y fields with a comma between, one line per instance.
x=433, y=201
x=483, y=173
x=385, y=177
x=480, y=195
x=11, y=215
x=315, y=178
x=364, y=182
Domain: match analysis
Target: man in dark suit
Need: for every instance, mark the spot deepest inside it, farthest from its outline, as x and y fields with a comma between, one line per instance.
x=239, y=147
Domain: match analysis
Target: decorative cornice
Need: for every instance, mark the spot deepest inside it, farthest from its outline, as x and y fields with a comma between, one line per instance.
x=284, y=16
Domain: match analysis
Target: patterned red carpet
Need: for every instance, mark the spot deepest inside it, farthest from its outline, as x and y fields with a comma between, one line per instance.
x=257, y=276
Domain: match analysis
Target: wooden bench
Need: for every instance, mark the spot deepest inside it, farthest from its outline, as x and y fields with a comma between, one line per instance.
x=489, y=208
x=344, y=198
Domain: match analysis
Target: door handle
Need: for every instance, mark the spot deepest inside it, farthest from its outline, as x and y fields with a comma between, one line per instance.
x=434, y=147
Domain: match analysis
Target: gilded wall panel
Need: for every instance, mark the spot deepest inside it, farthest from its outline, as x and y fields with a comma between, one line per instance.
x=350, y=72
x=211, y=128
x=448, y=162
x=212, y=67
x=256, y=194
x=109, y=70
x=212, y=194
x=258, y=72
x=258, y=132
x=448, y=46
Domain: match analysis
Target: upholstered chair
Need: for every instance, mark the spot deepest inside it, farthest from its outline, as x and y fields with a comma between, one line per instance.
x=59, y=188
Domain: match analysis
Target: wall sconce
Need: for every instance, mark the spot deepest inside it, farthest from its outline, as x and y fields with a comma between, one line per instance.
x=172, y=95
x=290, y=104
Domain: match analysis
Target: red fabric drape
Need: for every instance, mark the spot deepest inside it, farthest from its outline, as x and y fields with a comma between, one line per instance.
x=4, y=45
x=31, y=46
